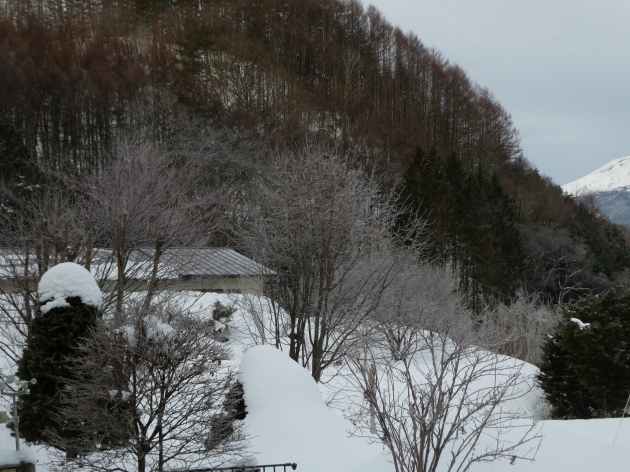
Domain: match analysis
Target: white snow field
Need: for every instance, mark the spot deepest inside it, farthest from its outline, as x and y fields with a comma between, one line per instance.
x=292, y=419
x=9, y=456
x=288, y=419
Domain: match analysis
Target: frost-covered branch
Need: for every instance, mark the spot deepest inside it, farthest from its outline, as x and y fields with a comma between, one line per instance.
x=154, y=392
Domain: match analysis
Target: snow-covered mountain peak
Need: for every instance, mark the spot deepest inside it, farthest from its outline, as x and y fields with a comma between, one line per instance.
x=611, y=177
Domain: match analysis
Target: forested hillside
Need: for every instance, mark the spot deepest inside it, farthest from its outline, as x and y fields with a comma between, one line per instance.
x=76, y=77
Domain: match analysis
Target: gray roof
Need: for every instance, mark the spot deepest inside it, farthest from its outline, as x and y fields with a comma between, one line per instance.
x=205, y=262
x=175, y=263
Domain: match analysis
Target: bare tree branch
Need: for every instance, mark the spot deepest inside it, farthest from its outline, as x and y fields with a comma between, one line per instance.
x=321, y=222
x=152, y=394
x=444, y=403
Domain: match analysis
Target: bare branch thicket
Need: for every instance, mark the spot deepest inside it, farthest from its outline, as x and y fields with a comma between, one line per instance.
x=445, y=403
x=141, y=197
x=558, y=266
x=523, y=326
x=151, y=394
x=417, y=289
x=44, y=227
x=321, y=222
x=147, y=198
x=267, y=322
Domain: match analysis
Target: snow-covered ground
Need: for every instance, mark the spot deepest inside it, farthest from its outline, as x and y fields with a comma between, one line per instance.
x=293, y=419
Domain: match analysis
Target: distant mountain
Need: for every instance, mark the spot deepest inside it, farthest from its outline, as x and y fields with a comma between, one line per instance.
x=610, y=184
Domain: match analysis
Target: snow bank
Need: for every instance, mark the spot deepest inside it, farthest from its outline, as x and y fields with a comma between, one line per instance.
x=8, y=454
x=576, y=446
x=67, y=280
x=288, y=421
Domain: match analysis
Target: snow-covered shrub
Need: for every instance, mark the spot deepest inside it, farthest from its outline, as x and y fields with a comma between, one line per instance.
x=69, y=298
x=153, y=388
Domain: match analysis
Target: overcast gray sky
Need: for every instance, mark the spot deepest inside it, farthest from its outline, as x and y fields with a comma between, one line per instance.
x=561, y=68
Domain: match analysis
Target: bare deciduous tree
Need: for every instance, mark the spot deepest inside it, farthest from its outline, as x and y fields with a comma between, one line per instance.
x=523, y=326
x=445, y=402
x=321, y=223
x=151, y=394
x=43, y=228
x=418, y=289
x=141, y=197
x=558, y=265
x=148, y=198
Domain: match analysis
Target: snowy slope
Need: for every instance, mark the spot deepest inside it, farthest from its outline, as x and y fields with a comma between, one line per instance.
x=290, y=419
x=611, y=177
x=610, y=185
x=289, y=422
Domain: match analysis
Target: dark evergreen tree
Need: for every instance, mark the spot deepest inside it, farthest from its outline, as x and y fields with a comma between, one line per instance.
x=472, y=223
x=586, y=366
x=50, y=348
x=507, y=239
x=568, y=397
x=422, y=195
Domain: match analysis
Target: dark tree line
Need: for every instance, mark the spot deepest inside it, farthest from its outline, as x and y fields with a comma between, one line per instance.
x=473, y=224
x=479, y=227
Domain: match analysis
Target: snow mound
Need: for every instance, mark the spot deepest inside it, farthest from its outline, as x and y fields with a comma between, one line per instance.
x=157, y=331
x=67, y=280
x=613, y=176
x=8, y=455
x=288, y=421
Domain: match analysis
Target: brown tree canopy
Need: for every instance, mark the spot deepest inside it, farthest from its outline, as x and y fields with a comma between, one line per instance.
x=74, y=75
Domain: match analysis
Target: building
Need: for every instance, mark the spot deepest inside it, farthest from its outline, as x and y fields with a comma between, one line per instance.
x=197, y=269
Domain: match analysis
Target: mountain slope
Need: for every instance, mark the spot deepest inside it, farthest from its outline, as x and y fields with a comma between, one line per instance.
x=610, y=185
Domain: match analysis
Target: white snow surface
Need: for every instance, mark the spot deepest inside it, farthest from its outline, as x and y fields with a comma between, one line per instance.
x=289, y=420
x=8, y=454
x=67, y=280
x=611, y=177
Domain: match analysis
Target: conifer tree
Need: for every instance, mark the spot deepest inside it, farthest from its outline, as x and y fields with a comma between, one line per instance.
x=472, y=224
x=422, y=195
x=586, y=366
x=568, y=397
x=70, y=299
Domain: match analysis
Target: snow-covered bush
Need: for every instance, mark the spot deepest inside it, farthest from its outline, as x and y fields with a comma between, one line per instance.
x=69, y=300
x=152, y=389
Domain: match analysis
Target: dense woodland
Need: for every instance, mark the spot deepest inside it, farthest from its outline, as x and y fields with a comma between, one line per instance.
x=77, y=77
